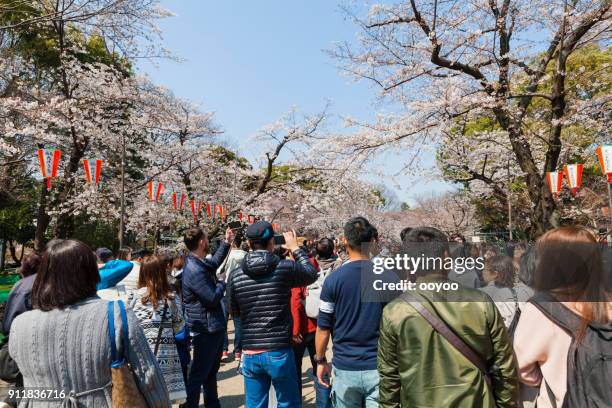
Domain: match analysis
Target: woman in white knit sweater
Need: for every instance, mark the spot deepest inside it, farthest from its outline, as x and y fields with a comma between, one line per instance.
x=63, y=345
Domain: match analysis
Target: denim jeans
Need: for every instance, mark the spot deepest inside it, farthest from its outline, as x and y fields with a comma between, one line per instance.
x=355, y=389
x=237, y=337
x=204, y=367
x=322, y=393
x=271, y=367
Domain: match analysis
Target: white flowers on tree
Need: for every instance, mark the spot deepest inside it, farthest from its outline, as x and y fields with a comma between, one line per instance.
x=452, y=64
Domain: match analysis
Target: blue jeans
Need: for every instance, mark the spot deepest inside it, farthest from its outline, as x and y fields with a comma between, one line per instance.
x=204, y=367
x=355, y=389
x=271, y=367
x=323, y=394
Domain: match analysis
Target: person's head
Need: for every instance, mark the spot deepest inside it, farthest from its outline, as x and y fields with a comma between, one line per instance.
x=104, y=255
x=403, y=233
x=527, y=266
x=237, y=241
x=427, y=242
x=359, y=235
x=196, y=241
x=499, y=269
x=178, y=263
x=140, y=254
x=456, y=237
x=29, y=264
x=125, y=254
x=570, y=267
x=260, y=236
x=68, y=274
x=153, y=277
x=489, y=250
x=325, y=248
x=516, y=250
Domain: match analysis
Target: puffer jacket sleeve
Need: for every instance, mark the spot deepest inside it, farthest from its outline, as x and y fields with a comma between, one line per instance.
x=505, y=377
x=148, y=375
x=217, y=259
x=304, y=272
x=390, y=383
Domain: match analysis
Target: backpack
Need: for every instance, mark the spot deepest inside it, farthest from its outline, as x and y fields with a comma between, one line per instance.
x=589, y=363
x=313, y=294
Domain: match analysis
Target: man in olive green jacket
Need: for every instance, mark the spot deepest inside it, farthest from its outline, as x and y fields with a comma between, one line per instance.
x=420, y=368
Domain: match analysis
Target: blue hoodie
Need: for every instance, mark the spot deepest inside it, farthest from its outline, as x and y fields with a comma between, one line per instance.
x=113, y=272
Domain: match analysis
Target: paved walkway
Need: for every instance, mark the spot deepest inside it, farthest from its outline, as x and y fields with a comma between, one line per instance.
x=231, y=384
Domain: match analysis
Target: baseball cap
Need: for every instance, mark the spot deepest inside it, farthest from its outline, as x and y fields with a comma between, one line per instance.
x=104, y=254
x=260, y=231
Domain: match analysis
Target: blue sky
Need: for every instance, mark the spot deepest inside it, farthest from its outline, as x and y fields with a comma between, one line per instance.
x=251, y=61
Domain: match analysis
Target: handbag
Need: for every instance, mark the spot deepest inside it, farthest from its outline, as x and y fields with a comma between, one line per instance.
x=125, y=392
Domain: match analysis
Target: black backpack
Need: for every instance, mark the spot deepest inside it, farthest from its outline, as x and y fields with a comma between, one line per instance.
x=589, y=364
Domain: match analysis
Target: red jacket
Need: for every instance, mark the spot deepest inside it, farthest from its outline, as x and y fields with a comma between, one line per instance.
x=302, y=324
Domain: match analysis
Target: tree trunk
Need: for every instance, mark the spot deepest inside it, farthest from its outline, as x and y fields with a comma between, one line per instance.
x=65, y=221
x=13, y=252
x=42, y=218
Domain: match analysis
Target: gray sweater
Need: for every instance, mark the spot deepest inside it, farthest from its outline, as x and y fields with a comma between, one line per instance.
x=69, y=350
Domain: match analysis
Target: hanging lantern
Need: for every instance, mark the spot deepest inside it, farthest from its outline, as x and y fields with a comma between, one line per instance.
x=182, y=201
x=240, y=216
x=573, y=173
x=193, y=209
x=97, y=172
x=604, y=153
x=555, y=181
x=221, y=211
x=199, y=207
x=155, y=189
x=174, y=203
x=208, y=212
x=44, y=161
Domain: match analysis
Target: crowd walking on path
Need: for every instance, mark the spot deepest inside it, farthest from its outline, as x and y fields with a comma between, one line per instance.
x=531, y=327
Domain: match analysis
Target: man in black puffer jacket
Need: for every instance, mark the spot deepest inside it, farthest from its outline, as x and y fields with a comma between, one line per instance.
x=261, y=296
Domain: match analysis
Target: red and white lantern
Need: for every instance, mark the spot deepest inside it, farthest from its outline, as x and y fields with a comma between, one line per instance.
x=176, y=202
x=97, y=172
x=604, y=153
x=155, y=191
x=573, y=173
x=46, y=159
x=555, y=181
x=208, y=212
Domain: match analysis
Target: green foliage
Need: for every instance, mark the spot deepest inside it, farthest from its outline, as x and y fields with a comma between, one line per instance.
x=17, y=218
x=226, y=157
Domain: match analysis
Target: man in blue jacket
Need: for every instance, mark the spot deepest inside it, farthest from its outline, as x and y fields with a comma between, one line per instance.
x=112, y=270
x=202, y=294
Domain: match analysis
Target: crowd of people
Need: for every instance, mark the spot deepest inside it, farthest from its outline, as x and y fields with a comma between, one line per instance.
x=532, y=327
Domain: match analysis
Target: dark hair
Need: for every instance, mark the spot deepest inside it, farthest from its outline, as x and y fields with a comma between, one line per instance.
x=259, y=245
x=68, y=274
x=30, y=264
x=504, y=268
x=511, y=248
x=178, y=263
x=104, y=254
x=430, y=243
x=404, y=231
x=192, y=238
x=238, y=240
x=124, y=253
x=325, y=248
x=527, y=266
x=359, y=232
x=153, y=277
x=570, y=267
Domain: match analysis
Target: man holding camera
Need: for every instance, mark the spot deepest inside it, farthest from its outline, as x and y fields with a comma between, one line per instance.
x=261, y=295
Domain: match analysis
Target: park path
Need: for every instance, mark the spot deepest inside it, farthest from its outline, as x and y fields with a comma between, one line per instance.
x=231, y=384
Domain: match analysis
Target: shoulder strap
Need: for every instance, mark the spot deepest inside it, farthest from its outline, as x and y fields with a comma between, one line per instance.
x=556, y=312
x=111, y=333
x=124, y=330
x=442, y=328
x=161, y=328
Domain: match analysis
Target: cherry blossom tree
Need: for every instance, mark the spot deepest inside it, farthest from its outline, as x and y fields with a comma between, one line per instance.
x=448, y=63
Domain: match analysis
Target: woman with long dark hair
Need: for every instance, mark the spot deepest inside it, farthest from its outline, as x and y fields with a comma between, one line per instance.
x=570, y=275
x=64, y=345
x=160, y=315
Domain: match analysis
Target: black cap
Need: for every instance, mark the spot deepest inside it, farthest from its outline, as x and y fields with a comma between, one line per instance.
x=104, y=254
x=260, y=231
